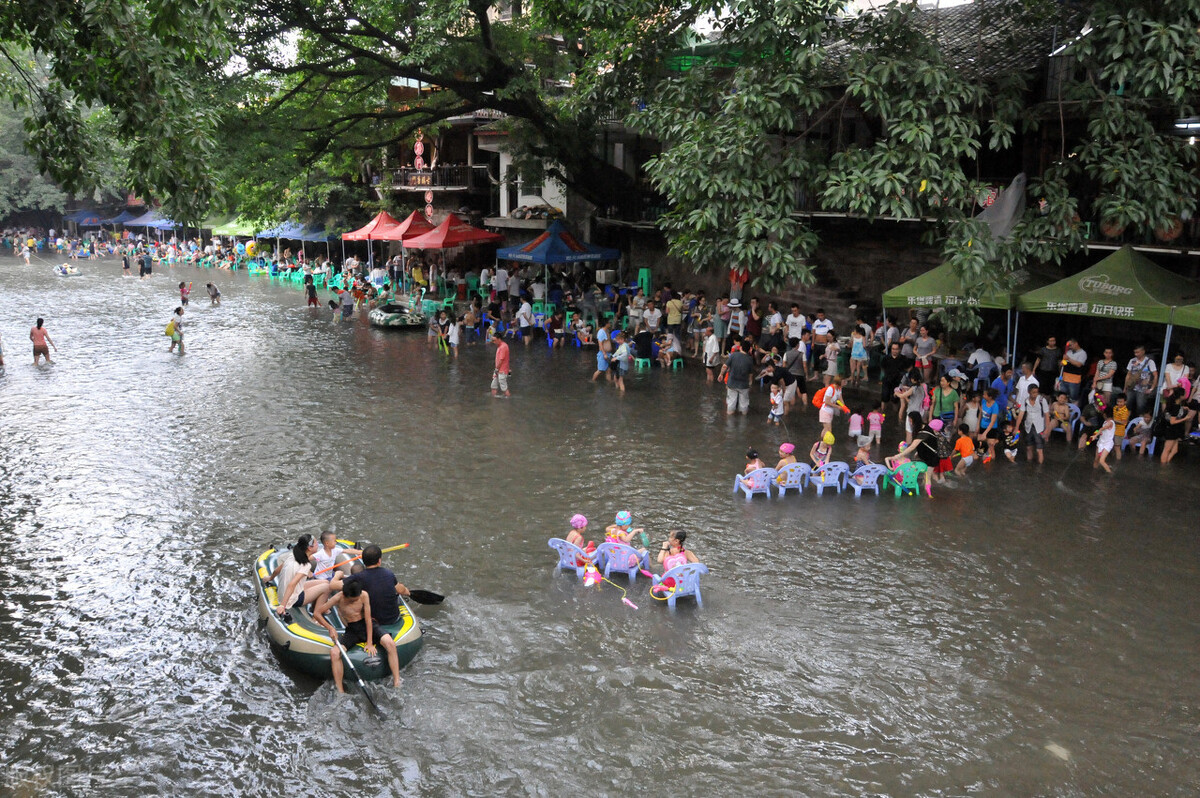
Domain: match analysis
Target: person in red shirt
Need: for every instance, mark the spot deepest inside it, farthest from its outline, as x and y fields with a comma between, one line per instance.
x=500, y=373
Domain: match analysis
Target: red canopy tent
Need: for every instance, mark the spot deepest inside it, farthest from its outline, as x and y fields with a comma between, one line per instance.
x=382, y=227
x=453, y=232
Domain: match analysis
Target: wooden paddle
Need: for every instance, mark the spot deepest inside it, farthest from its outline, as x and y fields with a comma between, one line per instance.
x=359, y=557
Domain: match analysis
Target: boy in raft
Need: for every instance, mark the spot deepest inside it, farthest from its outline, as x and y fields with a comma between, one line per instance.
x=579, y=525
x=354, y=605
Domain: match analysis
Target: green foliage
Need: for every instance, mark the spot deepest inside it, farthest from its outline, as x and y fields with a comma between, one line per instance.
x=22, y=186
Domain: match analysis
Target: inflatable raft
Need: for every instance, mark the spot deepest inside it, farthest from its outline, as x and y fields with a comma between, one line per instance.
x=303, y=644
x=66, y=270
x=395, y=314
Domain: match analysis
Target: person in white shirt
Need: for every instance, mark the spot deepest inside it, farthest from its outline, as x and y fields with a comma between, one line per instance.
x=712, y=354
x=1172, y=373
x=774, y=319
x=651, y=318
x=525, y=320
x=500, y=283
x=737, y=321
x=1034, y=421
x=485, y=277
x=1141, y=377
x=795, y=323
x=1024, y=381
x=538, y=289
x=327, y=555
x=514, y=285
x=821, y=327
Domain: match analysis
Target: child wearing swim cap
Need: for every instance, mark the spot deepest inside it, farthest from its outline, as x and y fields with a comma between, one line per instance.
x=579, y=525
x=821, y=450
x=620, y=532
x=786, y=456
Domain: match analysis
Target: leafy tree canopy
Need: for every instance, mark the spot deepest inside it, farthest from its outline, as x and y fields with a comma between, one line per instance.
x=277, y=105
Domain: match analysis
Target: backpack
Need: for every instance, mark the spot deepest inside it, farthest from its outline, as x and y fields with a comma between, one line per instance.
x=170, y=328
x=818, y=399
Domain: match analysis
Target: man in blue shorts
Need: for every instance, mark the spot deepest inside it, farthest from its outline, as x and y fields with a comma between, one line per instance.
x=604, y=340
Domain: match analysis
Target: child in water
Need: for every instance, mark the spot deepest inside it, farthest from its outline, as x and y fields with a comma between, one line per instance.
x=1105, y=438
x=776, y=413
x=875, y=423
x=185, y=290
x=579, y=524
x=856, y=423
x=821, y=450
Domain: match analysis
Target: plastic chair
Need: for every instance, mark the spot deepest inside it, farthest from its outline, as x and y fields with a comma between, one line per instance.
x=686, y=579
x=642, y=362
x=757, y=481
x=622, y=558
x=792, y=477
x=986, y=374
x=907, y=478
x=1149, y=447
x=1072, y=421
x=569, y=556
x=830, y=475
x=867, y=477
x=677, y=363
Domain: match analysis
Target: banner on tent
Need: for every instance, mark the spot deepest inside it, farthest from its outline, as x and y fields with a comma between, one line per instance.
x=941, y=300
x=1092, y=309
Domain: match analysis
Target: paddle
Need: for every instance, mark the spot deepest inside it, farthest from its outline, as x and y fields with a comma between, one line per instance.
x=425, y=597
x=359, y=557
x=346, y=656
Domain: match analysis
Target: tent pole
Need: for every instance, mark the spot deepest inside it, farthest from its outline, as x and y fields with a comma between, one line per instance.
x=1161, y=363
x=1008, y=329
x=1012, y=354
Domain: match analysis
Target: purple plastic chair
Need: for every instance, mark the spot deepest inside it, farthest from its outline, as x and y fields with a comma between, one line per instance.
x=759, y=480
x=619, y=557
x=569, y=555
x=830, y=475
x=687, y=582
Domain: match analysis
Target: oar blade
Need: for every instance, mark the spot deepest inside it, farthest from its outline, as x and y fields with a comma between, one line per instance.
x=426, y=597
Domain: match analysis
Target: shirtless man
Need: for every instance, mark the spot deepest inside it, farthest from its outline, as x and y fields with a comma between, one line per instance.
x=354, y=605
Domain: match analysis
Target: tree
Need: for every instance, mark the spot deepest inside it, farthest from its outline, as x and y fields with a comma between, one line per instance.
x=22, y=185
x=752, y=134
x=151, y=65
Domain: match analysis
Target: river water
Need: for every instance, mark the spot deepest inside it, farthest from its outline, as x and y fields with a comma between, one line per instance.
x=1010, y=637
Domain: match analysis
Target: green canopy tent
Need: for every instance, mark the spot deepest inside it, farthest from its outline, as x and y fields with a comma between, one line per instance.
x=231, y=226
x=1126, y=285
x=941, y=287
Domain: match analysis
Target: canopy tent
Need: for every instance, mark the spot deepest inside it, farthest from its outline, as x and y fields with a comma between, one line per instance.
x=557, y=245
x=121, y=218
x=293, y=231
x=151, y=219
x=942, y=287
x=1188, y=316
x=230, y=226
x=453, y=232
x=1126, y=285
x=383, y=226
x=83, y=218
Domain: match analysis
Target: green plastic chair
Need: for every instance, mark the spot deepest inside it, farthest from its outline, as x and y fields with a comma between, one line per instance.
x=642, y=363
x=676, y=363
x=907, y=478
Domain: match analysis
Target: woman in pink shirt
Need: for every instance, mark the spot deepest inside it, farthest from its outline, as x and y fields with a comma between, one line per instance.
x=40, y=338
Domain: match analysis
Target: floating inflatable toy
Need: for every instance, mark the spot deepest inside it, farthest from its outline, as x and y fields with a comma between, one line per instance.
x=398, y=316
x=66, y=270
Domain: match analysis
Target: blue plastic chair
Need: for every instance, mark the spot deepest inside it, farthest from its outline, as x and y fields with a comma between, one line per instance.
x=621, y=558
x=759, y=480
x=830, y=475
x=1072, y=421
x=867, y=477
x=792, y=477
x=984, y=376
x=569, y=556
x=687, y=582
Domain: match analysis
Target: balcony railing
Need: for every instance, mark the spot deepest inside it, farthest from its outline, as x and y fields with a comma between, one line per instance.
x=451, y=177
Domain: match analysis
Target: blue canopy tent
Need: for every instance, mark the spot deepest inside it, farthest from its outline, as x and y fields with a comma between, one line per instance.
x=83, y=218
x=294, y=231
x=557, y=245
x=151, y=220
x=121, y=218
